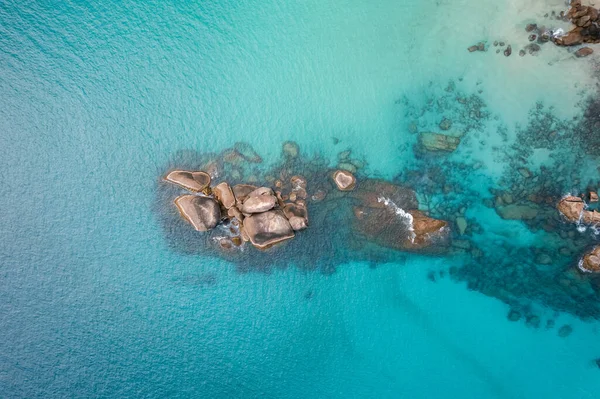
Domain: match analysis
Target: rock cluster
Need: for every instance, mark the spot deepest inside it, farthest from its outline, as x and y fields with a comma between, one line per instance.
x=255, y=214
x=574, y=210
x=587, y=25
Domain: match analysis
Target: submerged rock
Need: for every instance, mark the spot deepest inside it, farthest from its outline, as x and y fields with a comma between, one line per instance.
x=203, y=213
x=590, y=263
x=268, y=228
x=193, y=181
x=247, y=152
x=571, y=208
x=290, y=149
x=565, y=331
x=344, y=180
x=438, y=142
x=224, y=194
x=517, y=212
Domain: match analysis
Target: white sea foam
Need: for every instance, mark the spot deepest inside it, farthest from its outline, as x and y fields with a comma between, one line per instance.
x=407, y=217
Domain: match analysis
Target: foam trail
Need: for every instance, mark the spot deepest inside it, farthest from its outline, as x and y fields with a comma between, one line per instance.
x=400, y=212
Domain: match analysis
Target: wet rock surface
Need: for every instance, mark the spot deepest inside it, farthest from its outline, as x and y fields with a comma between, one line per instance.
x=201, y=212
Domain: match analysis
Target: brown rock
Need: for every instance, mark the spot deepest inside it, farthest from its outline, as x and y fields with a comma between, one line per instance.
x=203, y=213
x=508, y=51
x=258, y=204
x=297, y=215
x=572, y=38
x=591, y=217
x=298, y=181
x=571, y=207
x=590, y=263
x=241, y=191
x=268, y=228
x=473, y=48
x=193, y=181
x=234, y=212
x=344, y=180
x=593, y=196
x=438, y=142
x=261, y=191
x=583, y=52
x=224, y=194
x=530, y=27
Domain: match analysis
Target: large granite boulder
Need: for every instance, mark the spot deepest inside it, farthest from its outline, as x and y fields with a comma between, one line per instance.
x=241, y=191
x=224, y=194
x=193, y=181
x=267, y=229
x=375, y=193
x=571, y=208
x=344, y=180
x=590, y=263
x=437, y=142
x=259, y=203
x=203, y=213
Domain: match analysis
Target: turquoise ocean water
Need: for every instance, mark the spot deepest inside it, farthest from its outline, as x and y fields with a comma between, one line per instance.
x=96, y=98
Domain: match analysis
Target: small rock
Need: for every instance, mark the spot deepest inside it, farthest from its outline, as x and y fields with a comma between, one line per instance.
x=590, y=263
x=445, y=124
x=473, y=49
x=583, y=52
x=565, y=331
x=508, y=51
x=513, y=315
x=521, y=53
x=533, y=321
x=532, y=37
x=526, y=173
x=593, y=196
x=530, y=27
x=344, y=180
x=290, y=149
x=461, y=223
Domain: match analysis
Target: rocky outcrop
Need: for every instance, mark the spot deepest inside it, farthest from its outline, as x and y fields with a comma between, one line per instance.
x=193, y=181
x=438, y=142
x=268, y=228
x=590, y=263
x=203, y=213
x=571, y=207
x=387, y=215
x=587, y=26
x=344, y=180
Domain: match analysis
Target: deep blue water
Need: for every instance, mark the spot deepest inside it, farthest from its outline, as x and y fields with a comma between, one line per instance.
x=98, y=299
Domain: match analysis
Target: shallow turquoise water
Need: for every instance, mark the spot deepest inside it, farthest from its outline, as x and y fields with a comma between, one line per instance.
x=98, y=97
